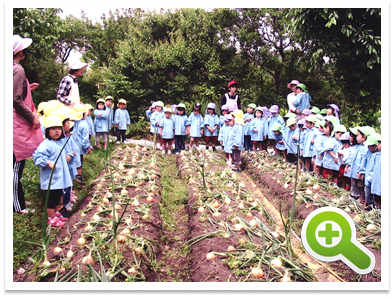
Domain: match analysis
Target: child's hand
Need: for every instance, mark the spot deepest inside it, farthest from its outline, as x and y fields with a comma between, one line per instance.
x=50, y=164
x=73, y=153
x=68, y=158
x=89, y=151
x=312, y=141
x=335, y=160
x=340, y=154
x=255, y=130
x=99, y=114
x=221, y=143
x=320, y=157
x=116, y=126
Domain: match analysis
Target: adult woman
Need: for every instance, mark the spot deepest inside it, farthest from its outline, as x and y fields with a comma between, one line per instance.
x=27, y=134
x=68, y=92
x=291, y=96
x=230, y=98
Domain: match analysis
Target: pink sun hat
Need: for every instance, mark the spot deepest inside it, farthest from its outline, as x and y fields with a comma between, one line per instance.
x=296, y=82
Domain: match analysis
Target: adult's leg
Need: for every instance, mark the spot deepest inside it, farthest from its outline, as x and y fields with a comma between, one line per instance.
x=19, y=199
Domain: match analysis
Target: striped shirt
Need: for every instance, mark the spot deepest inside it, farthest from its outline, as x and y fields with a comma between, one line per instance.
x=65, y=89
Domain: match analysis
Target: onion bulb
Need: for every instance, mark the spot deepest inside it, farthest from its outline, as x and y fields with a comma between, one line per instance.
x=316, y=187
x=88, y=227
x=241, y=205
x=229, y=186
x=132, y=271
x=135, y=202
x=276, y=262
x=105, y=200
x=234, y=220
x=257, y=272
x=149, y=198
x=121, y=238
x=371, y=228
x=230, y=248
x=241, y=241
x=99, y=186
x=216, y=214
x=81, y=241
x=227, y=200
x=357, y=218
x=308, y=191
x=238, y=227
x=57, y=250
x=88, y=260
x=275, y=234
x=70, y=253
x=108, y=194
x=95, y=217
x=347, y=209
x=253, y=223
x=316, y=196
x=249, y=215
x=131, y=172
x=216, y=204
x=249, y=254
x=242, y=185
x=125, y=231
x=210, y=256
x=200, y=210
x=124, y=192
x=129, y=220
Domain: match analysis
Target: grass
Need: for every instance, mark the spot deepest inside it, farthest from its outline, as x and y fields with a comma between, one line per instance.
x=28, y=226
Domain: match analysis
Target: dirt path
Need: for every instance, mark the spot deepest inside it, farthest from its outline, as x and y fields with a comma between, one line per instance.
x=175, y=256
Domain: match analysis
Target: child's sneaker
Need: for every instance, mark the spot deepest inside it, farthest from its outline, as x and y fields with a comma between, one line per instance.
x=335, y=186
x=169, y=152
x=117, y=142
x=55, y=222
x=173, y=146
x=60, y=216
x=163, y=152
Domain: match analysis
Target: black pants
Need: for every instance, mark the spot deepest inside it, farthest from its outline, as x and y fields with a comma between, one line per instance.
x=180, y=143
x=248, y=143
x=54, y=198
x=292, y=158
x=19, y=198
x=121, y=133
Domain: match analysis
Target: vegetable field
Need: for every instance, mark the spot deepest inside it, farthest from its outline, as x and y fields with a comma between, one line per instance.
x=189, y=218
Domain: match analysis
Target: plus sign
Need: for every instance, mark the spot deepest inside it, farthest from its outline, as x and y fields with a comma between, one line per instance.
x=328, y=233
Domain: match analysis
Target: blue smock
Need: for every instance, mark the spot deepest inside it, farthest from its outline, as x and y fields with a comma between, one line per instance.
x=110, y=115
x=197, y=123
x=331, y=144
x=274, y=120
x=259, y=125
x=155, y=119
x=168, y=126
x=291, y=143
x=227, y=138
x=306, y=140
x=237, y=137
x=367, y=167
x=122, y=119
x=90, y=123
x=180, y=124
x=355, y=158
x=48, y=150
x=302, y=101
x=211, y=120
x=221, y=121
x=70, y=147
x=376, y=177
x=279, y=146
x=317, y=148
x=82, y=137
x=247, y=131
x=148, y=113
x=101, y=122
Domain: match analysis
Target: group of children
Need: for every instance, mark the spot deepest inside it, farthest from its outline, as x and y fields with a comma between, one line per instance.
x=57, y=123
x=348, y=158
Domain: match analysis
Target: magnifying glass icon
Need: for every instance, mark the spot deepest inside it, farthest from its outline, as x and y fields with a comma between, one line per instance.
x=328, y=234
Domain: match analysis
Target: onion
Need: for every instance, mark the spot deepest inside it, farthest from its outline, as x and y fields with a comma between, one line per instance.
x=249, y=254
x=108, y=194
x=117, y=206
x=124, y=192
x=139, y=251
x=125, y=231
x=216, y=214
x=242, y=185
x=115, y=180
x=347, y=209
x=357, y=218
x=308, y=191
x=227, y=200
x=371, y=228
x=238, y=227
x=99, y=186
x=135, y=202
x=81, y=241
x=95, y=217
x=103, y=180
x=210, y=256
x=70, y=253
x=88, y=227
x=275, y=234
x=249, y=215
x=57, y=250
x=286, y=278
x=132, y=271
x=234, y=220
x=129, y=220
x=226, y=235
x=121, y=238
x=99, y=209
x=230, y=186
x=230, y=248
x=257, y=272
x=286, y=185
x=253, y=223
x=241, y=205
x=88, y=260
x=316, y=196
x=316, y=187
x=200, y=210
x=149, y=198
x=216, y=204
x=105, y=200
x=276, y=262
x=144, y=149
x=278, y=181
x=131, y=172
x=241, y=241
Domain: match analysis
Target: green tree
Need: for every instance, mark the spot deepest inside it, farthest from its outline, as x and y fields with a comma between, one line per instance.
x=349, y=41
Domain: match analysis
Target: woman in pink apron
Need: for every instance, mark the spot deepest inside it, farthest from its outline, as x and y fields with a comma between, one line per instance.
x=27, y=134
x=231, y=98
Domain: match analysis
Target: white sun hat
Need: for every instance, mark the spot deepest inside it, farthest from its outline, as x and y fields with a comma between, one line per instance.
x=20, y=43
x=77, y=64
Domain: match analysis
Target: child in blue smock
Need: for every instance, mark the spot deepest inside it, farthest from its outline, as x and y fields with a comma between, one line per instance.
x=375, y=187
x=292, y=139
x=109, y=109
x=357, y=185
x=195, y=126
x=180, y=120
x=329, y=153
x=237, y=140
x=81, y=133
x=150, y=111
x=121, y=120
x=224, y=111
x=101, y=123
x=247, y=132
x=280, y=147
x=211, y=125
x=257, y=129
x=318, y=146
x=366, y=169
x=167, y=128
x=343, y=154
x=302, y=98
x=307, y=141
x=155, y=119
x=90, y=121
x=45, y=156
x=275, y=118
x=223, y=136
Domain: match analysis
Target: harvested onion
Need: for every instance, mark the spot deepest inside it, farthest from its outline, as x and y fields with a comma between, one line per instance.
x=210, y=256
x=257, y=272
x=81, y=241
